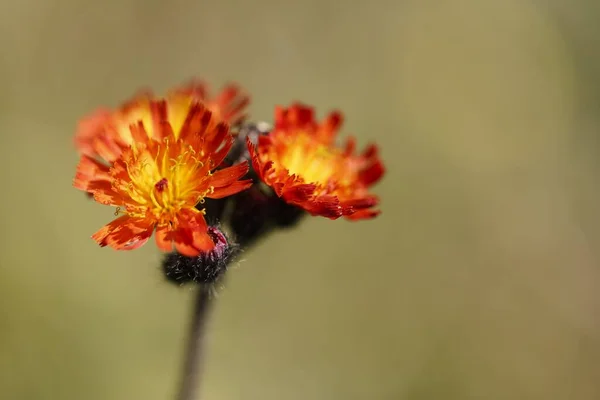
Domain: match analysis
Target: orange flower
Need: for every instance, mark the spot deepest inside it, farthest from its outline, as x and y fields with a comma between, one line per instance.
x=155, y=161
x=300, y=162
x=105, y=133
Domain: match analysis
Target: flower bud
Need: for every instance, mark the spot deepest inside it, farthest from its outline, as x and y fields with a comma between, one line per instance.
x=206, y=268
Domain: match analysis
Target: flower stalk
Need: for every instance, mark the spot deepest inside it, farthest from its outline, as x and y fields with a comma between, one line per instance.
x=194, y=350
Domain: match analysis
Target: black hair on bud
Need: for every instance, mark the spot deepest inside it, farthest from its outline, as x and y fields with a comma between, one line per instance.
x=206, y=268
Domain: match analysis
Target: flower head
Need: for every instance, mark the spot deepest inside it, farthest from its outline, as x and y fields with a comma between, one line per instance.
x=300, y=161
x=156, y=160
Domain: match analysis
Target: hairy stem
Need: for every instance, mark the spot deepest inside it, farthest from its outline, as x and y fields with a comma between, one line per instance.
x=194, y=351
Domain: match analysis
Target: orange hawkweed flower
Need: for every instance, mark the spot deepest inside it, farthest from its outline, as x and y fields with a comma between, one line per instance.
x=155, y=161
x=299, y=160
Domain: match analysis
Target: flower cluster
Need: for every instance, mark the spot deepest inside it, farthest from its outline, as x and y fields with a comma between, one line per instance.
x=169, y=163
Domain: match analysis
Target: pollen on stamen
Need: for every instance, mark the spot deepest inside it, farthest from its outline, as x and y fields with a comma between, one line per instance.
x=161, y=185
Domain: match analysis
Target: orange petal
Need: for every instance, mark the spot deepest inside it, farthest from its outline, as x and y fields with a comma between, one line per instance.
x=371, y=151
x=125, y=233
x=91, y=166
x=327, y=206
x=216, y=136
x=196, y=121
x=257, y=164
x=235, y=114
x=371, y=174
x=363, y=214
x=163, y=238
x=109, y=228
x=108, y=146
x=300, y=115
x=89, y=172
x=350, y=146
x=196, y=88
x=136, y=109
x=360, y=203
x=231, y=103
x=232, y=189
x=159, y=114
x=103, y=193
x=191, y=235
x=192, y=243
x=329, y=128
x=299, y=193
x=134, y=242
x=229, y=93
x=218, y=156
x=138, y=132
x=88, y=128
x=226, y=176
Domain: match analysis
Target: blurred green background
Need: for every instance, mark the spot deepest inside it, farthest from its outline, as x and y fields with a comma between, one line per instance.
x=479, y=280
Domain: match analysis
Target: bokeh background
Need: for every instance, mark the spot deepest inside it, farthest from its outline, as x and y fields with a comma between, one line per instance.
x=479, y=281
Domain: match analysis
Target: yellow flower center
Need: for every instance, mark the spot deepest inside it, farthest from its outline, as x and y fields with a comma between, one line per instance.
x=165, y=179
x=309, y=159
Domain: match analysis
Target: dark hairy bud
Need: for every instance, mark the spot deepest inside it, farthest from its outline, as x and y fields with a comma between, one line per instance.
x=206, y=268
